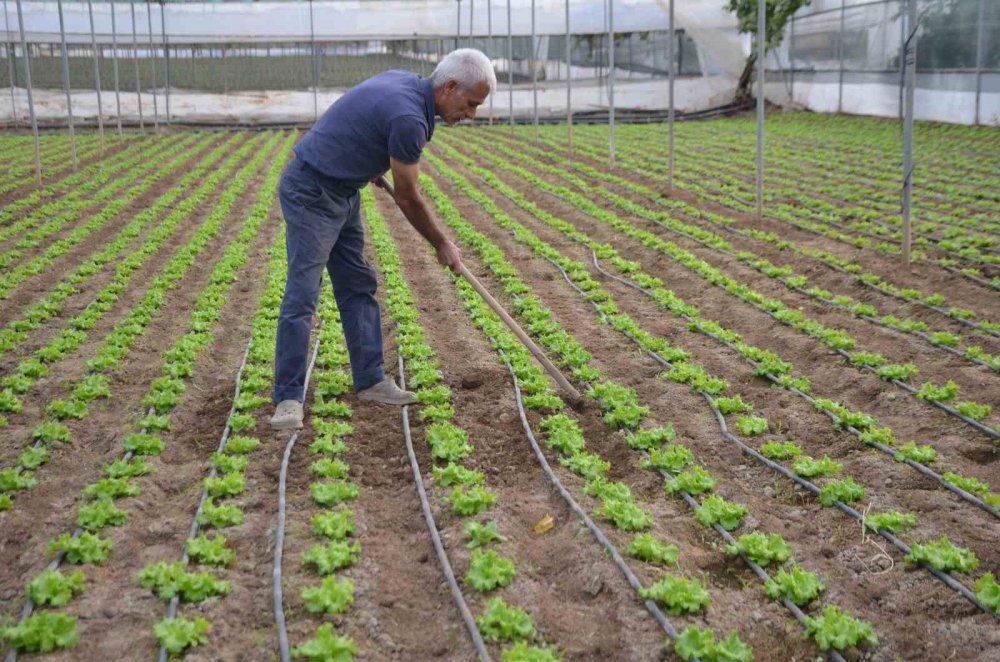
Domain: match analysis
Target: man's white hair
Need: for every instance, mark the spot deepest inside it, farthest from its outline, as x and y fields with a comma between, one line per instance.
x=468, y=67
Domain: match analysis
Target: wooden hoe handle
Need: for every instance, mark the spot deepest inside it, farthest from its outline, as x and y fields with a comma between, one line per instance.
x=509, y=321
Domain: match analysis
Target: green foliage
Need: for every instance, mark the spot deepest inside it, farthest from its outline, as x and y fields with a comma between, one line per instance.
x=838, y=630
x=51, y=431
x=751, y=426
x=896, y=372
x=220, y=516
x=141, y=443
x=167, y=580
x=930, y=392
x=456, y=474
x=229, y=464
x=651, y=439
x=588, y=465
x=564, y=434
x=808, y=467
x=51, y=588
x=334, y=525
x=327, y=647
x=988, y=592
x=209, y=550
x=679, y=595
x=332, y=596
x=488, y=570
x=716, y=510
x=87, y=548
x=694, y=480
x=177, y=635
x=732, y=405
x=111, y=488
x=798, y=585
x=332, y=556
x=133, y=468
x=966, y=483
x=42, y=632
x=846, y=491
x=694, y=643
x=471, y=500
x=892, y=521
x=522, y=651
x=502, y=622
x=672, y=458
x=448, y=442
x=761, y=548
x=780, y=450
x=646, y=547
x=626, y=514
x=974, y=410
x=333, y=492
x=480, y=535
x=329, y=468
x=943, y=555
x=241, y=445
x=99, y=514
x=226, y=486
x=911, y=451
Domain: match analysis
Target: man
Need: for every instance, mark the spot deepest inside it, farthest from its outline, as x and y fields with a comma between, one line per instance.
x=381, y=124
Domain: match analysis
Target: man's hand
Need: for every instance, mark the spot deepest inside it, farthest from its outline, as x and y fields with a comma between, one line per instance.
x=449, y=255
x=380, y=182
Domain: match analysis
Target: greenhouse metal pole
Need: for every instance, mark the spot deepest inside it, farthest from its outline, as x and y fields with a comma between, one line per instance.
x=458, y=25
x=166, y=55
x=791, y=58
x=97, y=76
x=979, y=56
x=9, y=46
x=761, y=40
x=152, y=66
x=611, y=79
x=65, y=77
x=910, y=63
x=510, y=69
x=114, y=69
x=489, y=46
x=31, y=101
x=569, y=84
x=312, y=51
x=671, y=74
x=534, y=74
x=472, y=7
x=135, y=59
x=840, y=60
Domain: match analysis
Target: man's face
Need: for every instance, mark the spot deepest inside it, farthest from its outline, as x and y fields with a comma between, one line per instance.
x=454, y=104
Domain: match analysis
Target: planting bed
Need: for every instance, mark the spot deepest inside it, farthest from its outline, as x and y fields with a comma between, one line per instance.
x=788, y=446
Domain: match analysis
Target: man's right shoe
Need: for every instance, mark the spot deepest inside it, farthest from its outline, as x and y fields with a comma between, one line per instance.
x=287, y=415
x=387, y=393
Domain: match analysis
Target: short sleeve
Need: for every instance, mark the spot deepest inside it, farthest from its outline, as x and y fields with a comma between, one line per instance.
x=407, y=137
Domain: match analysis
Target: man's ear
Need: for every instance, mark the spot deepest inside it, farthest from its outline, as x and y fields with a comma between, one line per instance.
x=451, y=86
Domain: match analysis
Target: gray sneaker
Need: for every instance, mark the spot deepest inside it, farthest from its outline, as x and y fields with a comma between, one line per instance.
x=287, y=415
x=387, y=393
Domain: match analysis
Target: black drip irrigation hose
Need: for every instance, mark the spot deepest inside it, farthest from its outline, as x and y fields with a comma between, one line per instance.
x=812, y=487
x=29, y=604
x=425, y=507
x=693, y=504
x=279, y=537
x=163, y=655
x=922, y=468
x=616, y=556
x=985, y=429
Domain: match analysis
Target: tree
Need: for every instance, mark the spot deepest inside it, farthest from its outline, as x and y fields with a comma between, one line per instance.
x=776, y=16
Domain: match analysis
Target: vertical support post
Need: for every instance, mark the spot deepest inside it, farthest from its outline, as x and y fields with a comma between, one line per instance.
x=840, y=59
x=910, y=63
x=114, y=69
x=510, y=69
x=315, y=72
x=611, y=79
x=66, y=85
x=9, y=46
x=671, y=74
x=31, y=101
x=472, y=7
x=152, y=64
x=534, y=74
x=569, y=84
x=980, y=37
x=97, y=76
x=902, y=55
x=458, y=25
x=761, y=43
x=135, y=59
x=791, y=57
x=489, y=47
x=166, y=55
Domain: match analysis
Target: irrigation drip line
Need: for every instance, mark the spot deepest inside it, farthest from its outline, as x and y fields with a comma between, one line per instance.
x=922, y=468
x=812, y=487
x=279, y=537
x=616, y=556
x=762, y=574
x=985, y=429
x=163, y=655
x=425, y=506
x=29, y=604
x=799, y=289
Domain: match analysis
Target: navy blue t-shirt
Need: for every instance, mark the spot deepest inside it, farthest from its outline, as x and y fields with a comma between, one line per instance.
x=391, y=114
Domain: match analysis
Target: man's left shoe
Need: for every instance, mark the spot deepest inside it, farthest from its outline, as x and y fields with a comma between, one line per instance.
x=287, y=415
x=387, y=393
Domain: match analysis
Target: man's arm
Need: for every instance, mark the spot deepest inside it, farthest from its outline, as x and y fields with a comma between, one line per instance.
x=412, y=205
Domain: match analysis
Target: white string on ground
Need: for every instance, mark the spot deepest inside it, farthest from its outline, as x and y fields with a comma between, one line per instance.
x=425, y=506
x=279, y=538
